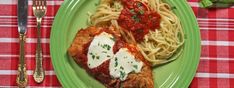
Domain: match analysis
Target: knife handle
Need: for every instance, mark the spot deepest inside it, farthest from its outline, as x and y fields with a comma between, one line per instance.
x=22, y=78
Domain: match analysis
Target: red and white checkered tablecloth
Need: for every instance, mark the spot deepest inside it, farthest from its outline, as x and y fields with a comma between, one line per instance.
x=9, y=44
x=216, y=67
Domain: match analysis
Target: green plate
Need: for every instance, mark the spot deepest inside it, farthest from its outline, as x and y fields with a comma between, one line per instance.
x=72, y=16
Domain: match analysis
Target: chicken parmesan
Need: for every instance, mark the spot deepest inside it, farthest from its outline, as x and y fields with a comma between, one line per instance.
x=104, y=54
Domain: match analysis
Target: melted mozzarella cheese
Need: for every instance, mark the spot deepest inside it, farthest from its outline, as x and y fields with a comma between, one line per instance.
x=123, y=63
x=100, y=49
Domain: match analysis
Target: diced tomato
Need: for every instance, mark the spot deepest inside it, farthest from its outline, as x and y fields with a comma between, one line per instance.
x=138, y=18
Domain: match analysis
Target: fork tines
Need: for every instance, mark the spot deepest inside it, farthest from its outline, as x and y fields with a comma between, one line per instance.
x=39, y=3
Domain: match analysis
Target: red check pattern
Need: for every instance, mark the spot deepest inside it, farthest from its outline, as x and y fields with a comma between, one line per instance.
x=9, y=44
x=216, y=67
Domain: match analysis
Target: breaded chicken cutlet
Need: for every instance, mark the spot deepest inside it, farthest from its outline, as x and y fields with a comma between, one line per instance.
x=107, y=70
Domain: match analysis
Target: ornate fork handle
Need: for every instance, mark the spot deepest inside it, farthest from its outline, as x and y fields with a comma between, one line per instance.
x=22, y=78
x=39, y=73
x=39, y=10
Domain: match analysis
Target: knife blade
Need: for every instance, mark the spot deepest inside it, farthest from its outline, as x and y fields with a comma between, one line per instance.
x=22, y=12
x=22, y=16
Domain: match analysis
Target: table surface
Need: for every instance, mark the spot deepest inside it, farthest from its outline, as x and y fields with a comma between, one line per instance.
x=216, y=67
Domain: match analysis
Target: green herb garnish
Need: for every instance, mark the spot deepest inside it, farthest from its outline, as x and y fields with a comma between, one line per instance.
x=132, y=11
x=98, y=57
x=115, y=58
x=122, y=74
x=109, y=47
x=121, y=67
x=139, y=4
x=93, y=56
x=134, y=17
x=116, y=64
x=141, y=12
x=135, y=66
x=106, y=46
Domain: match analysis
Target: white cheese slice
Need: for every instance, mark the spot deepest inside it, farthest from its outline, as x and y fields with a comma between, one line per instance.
x=123, y=63
x=100, y=49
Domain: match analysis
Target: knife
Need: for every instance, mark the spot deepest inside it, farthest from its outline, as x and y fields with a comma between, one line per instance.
x=22, y=7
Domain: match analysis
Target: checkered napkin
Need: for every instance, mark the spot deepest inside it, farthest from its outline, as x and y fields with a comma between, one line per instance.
x=216, y=67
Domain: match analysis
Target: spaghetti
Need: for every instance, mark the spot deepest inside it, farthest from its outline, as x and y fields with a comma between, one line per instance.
x=159, y=44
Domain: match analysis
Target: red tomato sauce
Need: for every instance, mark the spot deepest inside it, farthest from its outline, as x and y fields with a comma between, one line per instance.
x=138, y=18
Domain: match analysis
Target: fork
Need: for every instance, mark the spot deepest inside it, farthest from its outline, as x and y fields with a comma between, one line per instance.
x=39, y=10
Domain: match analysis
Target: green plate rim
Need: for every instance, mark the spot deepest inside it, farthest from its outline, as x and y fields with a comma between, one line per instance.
x=68, y=6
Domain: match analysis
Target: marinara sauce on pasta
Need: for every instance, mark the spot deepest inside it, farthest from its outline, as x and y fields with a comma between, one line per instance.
x=138, y=18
